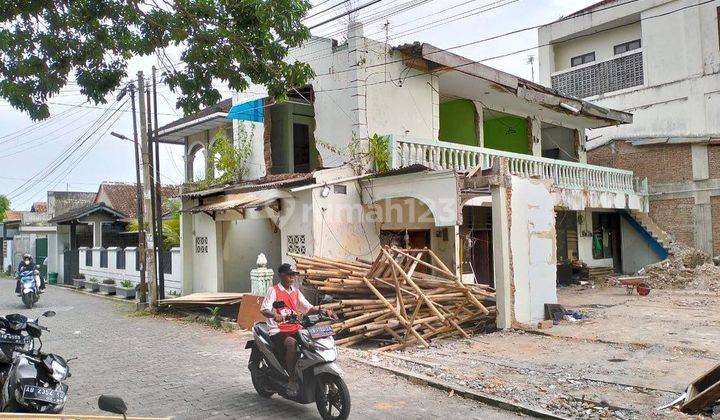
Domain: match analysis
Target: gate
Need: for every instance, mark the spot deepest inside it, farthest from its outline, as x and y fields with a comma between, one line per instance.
x=41, y=253
x=71, y=265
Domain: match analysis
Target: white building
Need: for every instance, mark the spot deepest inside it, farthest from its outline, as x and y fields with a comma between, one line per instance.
x=659, y=60
x=480, y=166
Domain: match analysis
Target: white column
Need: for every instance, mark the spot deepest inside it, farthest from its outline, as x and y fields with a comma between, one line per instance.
x=501, y=257
x=97, y=234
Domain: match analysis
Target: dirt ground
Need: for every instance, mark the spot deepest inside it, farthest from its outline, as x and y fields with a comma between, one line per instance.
x=630, y=356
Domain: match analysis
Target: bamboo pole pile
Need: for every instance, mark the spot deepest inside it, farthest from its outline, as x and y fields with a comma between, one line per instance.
x=405, y=297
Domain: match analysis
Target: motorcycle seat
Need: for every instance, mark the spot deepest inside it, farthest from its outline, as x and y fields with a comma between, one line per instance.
x=262, y=329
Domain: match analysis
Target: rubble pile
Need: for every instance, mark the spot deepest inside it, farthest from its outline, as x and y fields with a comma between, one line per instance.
x=685, y=268
x=405, y=297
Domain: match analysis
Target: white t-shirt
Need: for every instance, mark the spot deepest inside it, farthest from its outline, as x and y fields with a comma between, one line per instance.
x=267, y=305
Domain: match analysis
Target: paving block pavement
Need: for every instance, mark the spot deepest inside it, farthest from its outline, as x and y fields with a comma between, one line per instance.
x=165, y=367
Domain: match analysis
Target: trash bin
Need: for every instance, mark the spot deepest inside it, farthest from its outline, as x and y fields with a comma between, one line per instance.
x=52, y=278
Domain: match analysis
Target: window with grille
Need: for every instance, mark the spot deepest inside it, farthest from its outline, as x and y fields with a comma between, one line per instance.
x=103, y=258
x=627, y=46
x=582, y=59
x=88, y=258
x=606, y=76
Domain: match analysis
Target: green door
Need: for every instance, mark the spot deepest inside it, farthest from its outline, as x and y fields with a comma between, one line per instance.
x=41, y=252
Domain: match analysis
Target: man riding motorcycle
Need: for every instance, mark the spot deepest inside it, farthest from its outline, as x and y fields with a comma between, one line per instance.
x=27, y=264
x=285, y=335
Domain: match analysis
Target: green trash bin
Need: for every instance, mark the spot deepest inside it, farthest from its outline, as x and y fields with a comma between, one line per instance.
x=52, y=278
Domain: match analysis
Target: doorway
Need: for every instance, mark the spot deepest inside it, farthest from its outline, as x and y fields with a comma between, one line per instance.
x=477, y=246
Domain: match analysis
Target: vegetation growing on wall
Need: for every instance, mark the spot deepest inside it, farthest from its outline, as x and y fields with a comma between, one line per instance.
x=229, y=161
x=380, y=153
x=4, y=206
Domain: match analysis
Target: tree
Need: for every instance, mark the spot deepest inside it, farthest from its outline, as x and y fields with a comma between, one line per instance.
x=4, y=206
x=233, y=41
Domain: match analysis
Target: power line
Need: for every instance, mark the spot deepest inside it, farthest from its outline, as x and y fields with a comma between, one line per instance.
x=356, y=9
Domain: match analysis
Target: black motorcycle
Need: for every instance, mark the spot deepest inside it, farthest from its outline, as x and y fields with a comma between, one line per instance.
x=34, y=382
x=13, y=340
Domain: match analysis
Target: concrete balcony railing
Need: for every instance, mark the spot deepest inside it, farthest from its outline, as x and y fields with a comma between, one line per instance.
x=621, y=72
x=435, y=154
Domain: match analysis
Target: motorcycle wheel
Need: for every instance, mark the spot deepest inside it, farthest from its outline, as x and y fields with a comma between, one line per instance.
x=332, y=398
x=257, y=381
x=28, y=300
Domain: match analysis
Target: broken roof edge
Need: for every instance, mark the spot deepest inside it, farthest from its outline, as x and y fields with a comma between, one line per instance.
x=648, y=141
x=525, y=89
x=266, y=182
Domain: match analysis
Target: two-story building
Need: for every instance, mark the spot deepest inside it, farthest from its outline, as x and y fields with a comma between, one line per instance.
x=660, y=61
x=413, y=146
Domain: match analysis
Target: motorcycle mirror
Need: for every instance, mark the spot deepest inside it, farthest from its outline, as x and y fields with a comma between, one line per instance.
x=49, y=314
x=326, y=299
x=279, y=304
x=112, y=404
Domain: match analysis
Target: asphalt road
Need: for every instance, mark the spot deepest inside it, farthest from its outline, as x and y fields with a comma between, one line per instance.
x=165, y=367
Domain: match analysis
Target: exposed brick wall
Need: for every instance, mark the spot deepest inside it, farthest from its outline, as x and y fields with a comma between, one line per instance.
x=659, y=163
x=715, y=209
x=675, y=216
x=714, y=160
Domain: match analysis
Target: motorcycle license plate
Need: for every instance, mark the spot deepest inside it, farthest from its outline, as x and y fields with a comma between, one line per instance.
x=320, y=332
x=12, y=339
x=52, y=396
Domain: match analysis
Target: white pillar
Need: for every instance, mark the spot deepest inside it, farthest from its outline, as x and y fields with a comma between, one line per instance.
x=97, y=234
x=501, y=257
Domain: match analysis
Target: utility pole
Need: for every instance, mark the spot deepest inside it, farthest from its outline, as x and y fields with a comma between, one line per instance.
x=140, y=217
x=158, y=193
x=148, y=185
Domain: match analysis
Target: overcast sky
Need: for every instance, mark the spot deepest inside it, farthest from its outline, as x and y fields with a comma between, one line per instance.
x=442, y=23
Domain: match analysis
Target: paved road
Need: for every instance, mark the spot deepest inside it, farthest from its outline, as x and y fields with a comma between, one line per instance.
x=169, y=368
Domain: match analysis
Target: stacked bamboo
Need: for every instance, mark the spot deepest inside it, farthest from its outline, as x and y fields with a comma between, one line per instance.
x=404, y=297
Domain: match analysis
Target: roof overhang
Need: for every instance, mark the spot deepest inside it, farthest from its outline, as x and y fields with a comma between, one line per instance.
x=76, y=216
x=177, y=133
x=455, y=71
x=240, y=203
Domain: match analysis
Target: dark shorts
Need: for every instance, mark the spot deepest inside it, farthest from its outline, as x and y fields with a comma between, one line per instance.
x=279, y=339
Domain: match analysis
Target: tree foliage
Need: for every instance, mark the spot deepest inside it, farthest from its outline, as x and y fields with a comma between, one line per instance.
x=4, y=206
x=229, y=160
x=43, y=43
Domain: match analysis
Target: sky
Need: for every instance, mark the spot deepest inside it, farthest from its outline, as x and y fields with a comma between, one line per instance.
x=27, y=147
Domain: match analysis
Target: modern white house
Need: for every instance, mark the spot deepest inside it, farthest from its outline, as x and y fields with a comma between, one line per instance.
x=412, y=146
x=660, y=61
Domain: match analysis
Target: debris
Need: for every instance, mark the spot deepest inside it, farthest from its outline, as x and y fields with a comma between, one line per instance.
x=545, y=325
x=405, y=297
x=685, y=268
x=703, y=392
x=554, y=311
x=206, y=299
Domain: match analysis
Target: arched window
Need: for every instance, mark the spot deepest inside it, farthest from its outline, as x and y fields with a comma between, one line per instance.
x=196, y=170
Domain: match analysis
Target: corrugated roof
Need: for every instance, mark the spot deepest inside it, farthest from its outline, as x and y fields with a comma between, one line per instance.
x=249, y=200
x=267, y=182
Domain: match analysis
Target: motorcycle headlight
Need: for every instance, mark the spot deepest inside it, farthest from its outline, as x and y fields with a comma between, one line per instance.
x=59, y=372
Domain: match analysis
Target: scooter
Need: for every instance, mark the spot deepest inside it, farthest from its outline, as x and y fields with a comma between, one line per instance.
x=35, y=382
x=28, y=288
x=319, y=377
x=13, y=340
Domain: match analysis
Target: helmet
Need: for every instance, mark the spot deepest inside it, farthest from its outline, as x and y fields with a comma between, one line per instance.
x=26, y=256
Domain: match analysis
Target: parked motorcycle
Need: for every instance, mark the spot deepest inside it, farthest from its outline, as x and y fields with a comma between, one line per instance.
x=319, y=377
x=29, y=291
x=13, y=340
x=35, y=381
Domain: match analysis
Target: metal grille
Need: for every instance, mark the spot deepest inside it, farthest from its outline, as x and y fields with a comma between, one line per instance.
x=120, y=259
x=88, y=258
x=166, y=257
x=607, y=76
x=103, y=258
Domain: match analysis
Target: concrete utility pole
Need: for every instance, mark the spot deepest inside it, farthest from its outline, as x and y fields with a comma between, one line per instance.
x=158, y=193
x=140, y=208
x=148, y=184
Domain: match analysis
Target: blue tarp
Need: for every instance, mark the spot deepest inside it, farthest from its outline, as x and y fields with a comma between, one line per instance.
x=248, y=111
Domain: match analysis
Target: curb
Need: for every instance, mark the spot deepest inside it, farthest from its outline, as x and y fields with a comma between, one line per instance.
x=488, y=399
x=132, y=302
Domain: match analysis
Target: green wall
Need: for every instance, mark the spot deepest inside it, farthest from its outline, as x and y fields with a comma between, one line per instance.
x=506, y=133
x=457, y=122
